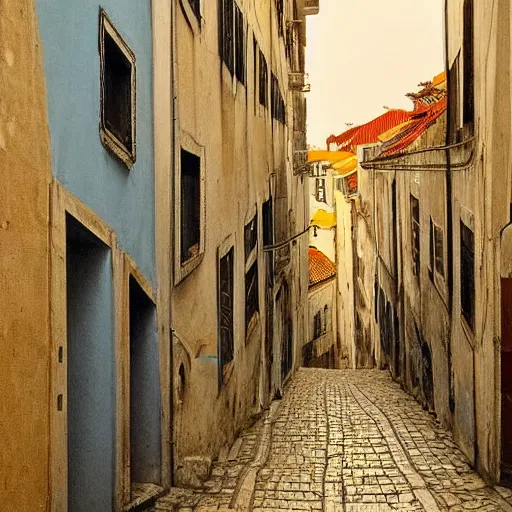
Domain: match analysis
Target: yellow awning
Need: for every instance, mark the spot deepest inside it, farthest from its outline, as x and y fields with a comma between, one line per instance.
x=345, y=166
x=328, y=156
x=324, y=219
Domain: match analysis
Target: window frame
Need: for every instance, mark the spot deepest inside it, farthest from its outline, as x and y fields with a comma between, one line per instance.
x=263, y=77
x=465, y=285
x=183, y=269
x=319, y=188
x=127, y=155
x=415, y=240
x=240, y=45
x=225, y=369
x=436, y=256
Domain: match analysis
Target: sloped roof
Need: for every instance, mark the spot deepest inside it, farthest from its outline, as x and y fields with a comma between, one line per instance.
x=321, y=268
x=420, y=122
x=369, y=133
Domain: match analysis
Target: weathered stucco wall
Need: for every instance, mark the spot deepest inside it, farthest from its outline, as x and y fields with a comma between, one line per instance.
x=325, y=346
x=345, y=277
x=24, y=213
x=247, y=160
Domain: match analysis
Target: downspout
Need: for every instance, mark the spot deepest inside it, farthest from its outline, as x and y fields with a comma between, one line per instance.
x=173, y=248
x=449, y=213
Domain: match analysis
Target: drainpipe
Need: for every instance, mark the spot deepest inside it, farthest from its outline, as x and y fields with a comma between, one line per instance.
x=173, y=248
x=449, y=212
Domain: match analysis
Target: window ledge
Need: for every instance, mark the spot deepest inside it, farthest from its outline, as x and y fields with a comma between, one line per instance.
x=185, y=269
x=190, y=16
x=111, y=143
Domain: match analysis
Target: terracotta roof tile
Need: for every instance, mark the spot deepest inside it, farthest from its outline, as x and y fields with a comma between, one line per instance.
x=421, y=121
x=368, y=133
x=321, y=268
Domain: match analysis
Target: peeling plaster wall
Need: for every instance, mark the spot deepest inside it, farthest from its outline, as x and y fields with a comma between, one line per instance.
x=24, y=213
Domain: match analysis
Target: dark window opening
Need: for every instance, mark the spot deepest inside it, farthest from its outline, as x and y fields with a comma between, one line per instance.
x=239, y=45
x=279, y=15
x=251, y=236
x=439, y=250
x=454, y=100
x=251, y=295
x=263, y=82
x=268, y=238
x=190, y=205
x=277, y=107
x=225, y=312
x=196, y=8
x=226, y=36
x=415, y=234
x=468, y=59
x=117, y=88
x=467, y=274
x=320, y=190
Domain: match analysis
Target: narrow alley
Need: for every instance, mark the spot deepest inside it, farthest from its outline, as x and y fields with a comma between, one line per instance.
x=342, y=441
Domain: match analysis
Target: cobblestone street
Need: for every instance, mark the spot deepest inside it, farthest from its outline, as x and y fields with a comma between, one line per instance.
x=343, y=441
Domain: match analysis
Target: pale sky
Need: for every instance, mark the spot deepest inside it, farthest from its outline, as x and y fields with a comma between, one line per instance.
x=363, y=55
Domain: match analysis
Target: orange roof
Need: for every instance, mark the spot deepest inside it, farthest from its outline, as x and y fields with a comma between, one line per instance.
x=368, y=133
x=321, y=268
x=420, y=122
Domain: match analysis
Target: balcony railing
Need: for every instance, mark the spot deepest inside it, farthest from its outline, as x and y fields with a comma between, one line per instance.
x=299, y=82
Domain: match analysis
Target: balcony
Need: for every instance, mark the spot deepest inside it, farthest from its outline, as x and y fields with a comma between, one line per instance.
x=299, y=82
x=310, y=7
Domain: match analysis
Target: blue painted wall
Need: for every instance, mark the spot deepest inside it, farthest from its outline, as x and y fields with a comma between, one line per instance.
x=123, y=198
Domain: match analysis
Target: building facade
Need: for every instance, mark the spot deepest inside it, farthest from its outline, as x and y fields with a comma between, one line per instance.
x=240, y=286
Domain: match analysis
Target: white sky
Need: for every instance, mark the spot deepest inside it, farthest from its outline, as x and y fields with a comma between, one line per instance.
x=363, y=55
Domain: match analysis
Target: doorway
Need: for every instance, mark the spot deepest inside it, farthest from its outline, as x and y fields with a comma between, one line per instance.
x=145, y=402
x=506, y=380
x=90, y=370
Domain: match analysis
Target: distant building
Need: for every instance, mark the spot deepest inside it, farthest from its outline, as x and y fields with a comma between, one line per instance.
x=321, y=351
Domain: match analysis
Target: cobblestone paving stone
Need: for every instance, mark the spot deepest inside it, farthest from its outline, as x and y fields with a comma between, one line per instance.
x=347, y=441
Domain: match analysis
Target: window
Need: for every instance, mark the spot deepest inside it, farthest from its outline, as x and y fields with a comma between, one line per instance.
x=339, y=184
x=251, y=275
x=320, y=190
x=117, y=94
x=225, y=315
x=439, y=250
x=268, y=238
x=196, y=8
x=263, y=85
x=415, y=235
x=190, y=205
x=468, y=60
x=232, y=47
x=436, y=260
x=279, y=15
x=320, y=322
x=239, y=45
x=251, y=237
x=226, y=36
x=251, y=296
x=454, y=99
x=278, y=107
x=467, y=274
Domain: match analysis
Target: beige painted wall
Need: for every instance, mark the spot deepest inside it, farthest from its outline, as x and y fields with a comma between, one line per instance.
x=24, y=213
x=247, y=157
